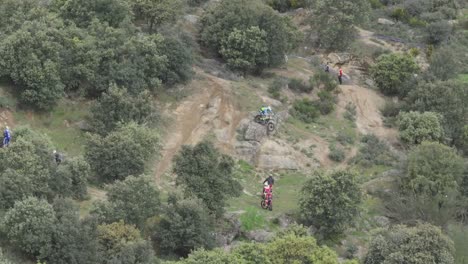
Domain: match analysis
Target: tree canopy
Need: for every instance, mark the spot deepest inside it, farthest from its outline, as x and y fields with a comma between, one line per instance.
x=207, y=174
x=391, y=71
x=417, y=127
x=433, y=169
x=132, y=200
x=238, y=29
x=185, y=225
x=330, y=201
x=412, y=245
x=334, y=21
x=122, y=153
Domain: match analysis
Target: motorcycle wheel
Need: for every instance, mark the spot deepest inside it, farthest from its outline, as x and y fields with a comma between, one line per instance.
x=263, y=204
x=270, y=126
x=258, y=119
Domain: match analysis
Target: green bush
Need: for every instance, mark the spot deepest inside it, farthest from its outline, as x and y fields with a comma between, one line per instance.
x=326, y=102
x=196, y=2
x=376, y=4
x=299, y=85
x=392, y=71
x=276, y=86
x=417, y=127
x=391, y=109
x=228, y=22
x=350, y=113
x=251, y=219
x=373, y=151
x=305, y=110
x=334, y=22
x=438, y=32
x=342, y=194
x=400, y=242
x=399, y=14
x=345, y=138
x=336, y=153
x=325, y=80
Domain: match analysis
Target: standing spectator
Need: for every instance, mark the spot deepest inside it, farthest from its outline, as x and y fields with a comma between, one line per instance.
x=58, y=158
x=340, y=76
x=6, y=137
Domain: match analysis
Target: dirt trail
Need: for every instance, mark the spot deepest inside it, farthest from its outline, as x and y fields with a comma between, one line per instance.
x=368, y=116
x=208, y=110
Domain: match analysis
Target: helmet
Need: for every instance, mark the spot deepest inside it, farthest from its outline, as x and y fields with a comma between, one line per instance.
x=54, y=151
x=266, y=184
x=7, y=127
x=269, y=108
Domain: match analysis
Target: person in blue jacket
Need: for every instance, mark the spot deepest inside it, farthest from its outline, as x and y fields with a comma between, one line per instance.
x=6, y=137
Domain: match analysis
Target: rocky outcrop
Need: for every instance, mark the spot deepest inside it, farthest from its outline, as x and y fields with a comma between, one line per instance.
x=259, y=235
x=230, y=231
x=248, y=150
x=384, y=21
x=255, y=132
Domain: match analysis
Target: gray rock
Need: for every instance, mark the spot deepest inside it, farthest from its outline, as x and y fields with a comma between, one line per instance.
x=272, y=162
x=230, y=231
x=259, y=235
x=384, y=21
x=370, y=82
x=255, y=132
x=248, y=150
x=382, y=221
x=285, y=221
x=192, y=18
x=83, y=125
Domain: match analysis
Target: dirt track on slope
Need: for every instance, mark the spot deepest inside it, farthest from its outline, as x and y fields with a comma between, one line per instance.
x=368, y=116
x=208, y=111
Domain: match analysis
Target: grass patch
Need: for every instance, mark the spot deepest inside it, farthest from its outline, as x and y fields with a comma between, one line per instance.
x=251, y=219
x=459, y=234
x=285, y=191
x=59, y=125
x=463, y=78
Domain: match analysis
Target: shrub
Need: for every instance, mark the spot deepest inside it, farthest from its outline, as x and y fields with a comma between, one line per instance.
x=399, y=244
x=345, y=138
x=417, y=127
x=245, y=50
x=251, y=219
x=399, y=14
x=336, y=153
x=438, y=32
x=374, y=152
x=299, y=85
x=273, y=32
x=342, y=195
x=184, y=226
x=334, y=20
x=414, y=52
x=392, y=71
x=391, y=109
x=326, y=102
x=324, y=80
x=350, y=113
x=305, y=110
x=122, y=153
x=276, y=86
x=206, y=174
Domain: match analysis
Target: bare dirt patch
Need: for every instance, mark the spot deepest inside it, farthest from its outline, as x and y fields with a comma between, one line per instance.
x=368, y=116
x=209, y=111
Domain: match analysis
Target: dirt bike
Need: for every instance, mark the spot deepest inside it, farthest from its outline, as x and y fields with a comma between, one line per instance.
x=267, y=204
x=265, y=120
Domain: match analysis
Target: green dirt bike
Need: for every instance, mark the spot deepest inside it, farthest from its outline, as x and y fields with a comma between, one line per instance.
x=266, y=120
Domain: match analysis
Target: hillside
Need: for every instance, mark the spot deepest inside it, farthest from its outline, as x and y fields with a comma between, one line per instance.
x=151, y=108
